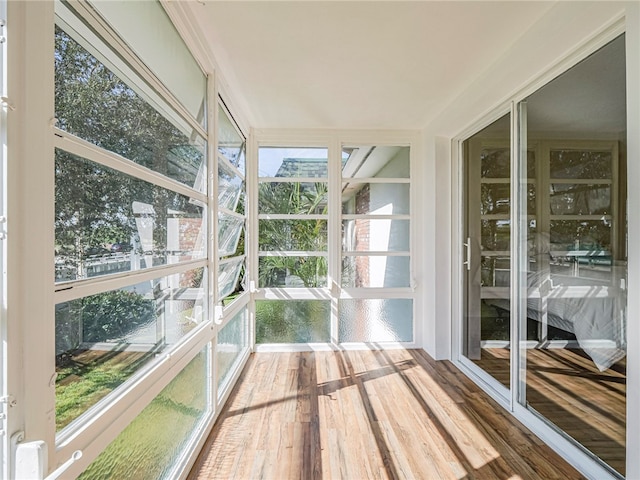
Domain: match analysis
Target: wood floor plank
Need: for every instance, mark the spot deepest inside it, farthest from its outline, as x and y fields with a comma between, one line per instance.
x=564, y=386
x=367, y=415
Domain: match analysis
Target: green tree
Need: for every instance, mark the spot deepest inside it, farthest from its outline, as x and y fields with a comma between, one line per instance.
x=298, y=235
x=94, y=203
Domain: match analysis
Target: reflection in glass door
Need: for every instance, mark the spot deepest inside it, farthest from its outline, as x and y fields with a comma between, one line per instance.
x=575, y=367
x=487, y=319
x=568, y=253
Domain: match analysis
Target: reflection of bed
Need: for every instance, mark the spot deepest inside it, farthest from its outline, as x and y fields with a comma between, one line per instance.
x=594, y=314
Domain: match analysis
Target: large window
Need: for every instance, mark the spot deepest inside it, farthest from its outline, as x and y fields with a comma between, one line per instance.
x=376, y=245
x=334, y=238
x=132, y=251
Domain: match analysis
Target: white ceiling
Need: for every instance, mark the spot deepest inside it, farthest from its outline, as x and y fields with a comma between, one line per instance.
x=363, y=64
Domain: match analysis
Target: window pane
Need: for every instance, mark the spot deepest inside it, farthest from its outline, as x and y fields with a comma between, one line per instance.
x=230, y=188
x=376, y=320
x=496, y=235
x=580, y=199
x=109, y=222
x=495, y=199
x=495, y=163
x=369, y=161
x=103, y=339
x=229, y=276
x=293, y=198
x=292, y=162
x=375, y=235
x=292, y=271
x=300, y=235
x=375, y=272
x=152, y=444
x=577, y=235
x=157, y=42
x=580, y=164
x=94, y=104
x=232, y=342
x=375, y=198
x=230, y=230
x=292, y=321
x=230, y=143
x=495, y=271
x=576, y=374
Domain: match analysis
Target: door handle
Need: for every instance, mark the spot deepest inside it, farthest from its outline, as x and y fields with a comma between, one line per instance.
x=467, y=245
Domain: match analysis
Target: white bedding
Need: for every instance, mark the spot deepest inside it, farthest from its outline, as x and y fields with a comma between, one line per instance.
x=596, y=315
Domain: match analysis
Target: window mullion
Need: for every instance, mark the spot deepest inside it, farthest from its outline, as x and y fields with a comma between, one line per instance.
x=68, y=291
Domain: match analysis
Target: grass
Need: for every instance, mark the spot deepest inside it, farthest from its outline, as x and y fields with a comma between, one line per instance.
x=90, y=376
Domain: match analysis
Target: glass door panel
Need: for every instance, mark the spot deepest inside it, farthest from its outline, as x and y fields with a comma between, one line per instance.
x=487, y=318
x=575, y=357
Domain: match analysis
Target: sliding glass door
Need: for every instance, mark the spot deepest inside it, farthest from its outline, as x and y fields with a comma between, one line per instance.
x=545, y=254
x=575, y=367
x=487, y=249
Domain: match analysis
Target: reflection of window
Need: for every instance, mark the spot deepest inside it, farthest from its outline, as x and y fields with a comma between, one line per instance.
x=571, y=204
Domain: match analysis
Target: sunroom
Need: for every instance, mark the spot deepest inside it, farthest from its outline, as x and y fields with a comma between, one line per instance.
x=248, y=239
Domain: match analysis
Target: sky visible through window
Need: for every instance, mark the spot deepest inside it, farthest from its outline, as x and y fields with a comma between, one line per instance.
x=270, y=159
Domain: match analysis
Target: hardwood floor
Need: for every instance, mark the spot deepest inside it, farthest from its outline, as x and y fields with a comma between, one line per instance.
x=565, y=387
x=367, y=415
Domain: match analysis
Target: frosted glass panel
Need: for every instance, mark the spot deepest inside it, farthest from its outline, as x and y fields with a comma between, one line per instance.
x=373, y=235
x=369, y=161
x=375, y=272
x=230, y=229
x=228, y=276
x=375, y=198
x=152, y=444
x=292, y=321
x=232, y=341
x=376, y=320
x=230, y=187
x=292, y=162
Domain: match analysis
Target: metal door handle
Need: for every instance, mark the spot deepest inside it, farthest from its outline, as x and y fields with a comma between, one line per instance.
x=467, y=245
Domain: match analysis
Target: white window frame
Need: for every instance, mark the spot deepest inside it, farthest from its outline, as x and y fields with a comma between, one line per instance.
x=333, y=292
x=30, y=329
